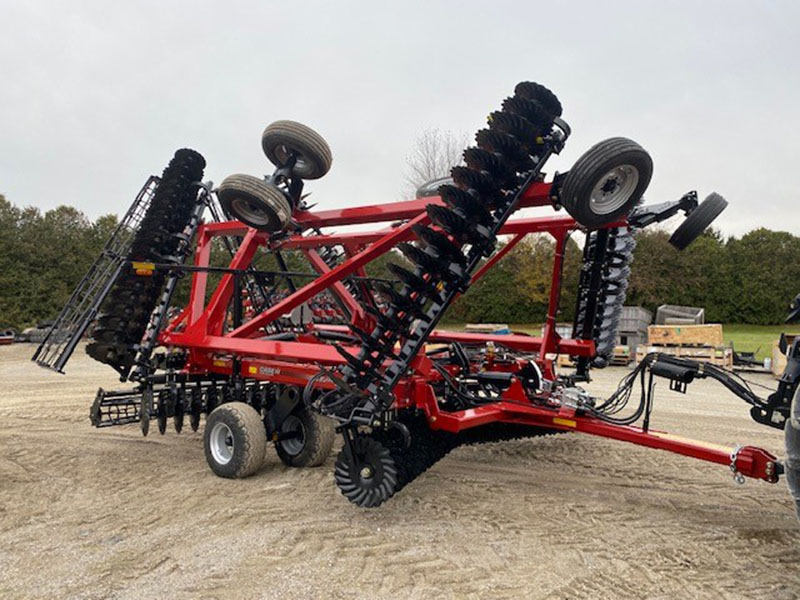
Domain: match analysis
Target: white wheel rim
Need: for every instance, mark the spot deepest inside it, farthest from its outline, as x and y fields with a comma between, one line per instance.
x=614, y=189
x=293, y=446
x=221, y=443
x=254, y=214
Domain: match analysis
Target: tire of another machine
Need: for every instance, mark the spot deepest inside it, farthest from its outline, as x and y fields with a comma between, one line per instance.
x=606, y=182
x=698, y=221
x=313, y=154
x=313, y=446
x=255, y=202
x=235, y=440
x=431, y=188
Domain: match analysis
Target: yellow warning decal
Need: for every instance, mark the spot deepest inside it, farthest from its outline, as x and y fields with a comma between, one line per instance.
x=143, y=266
x=143, y=269
x=252, y=370
x=564, y=422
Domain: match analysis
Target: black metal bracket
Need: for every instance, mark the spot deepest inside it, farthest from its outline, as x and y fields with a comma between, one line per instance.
x=642, y=216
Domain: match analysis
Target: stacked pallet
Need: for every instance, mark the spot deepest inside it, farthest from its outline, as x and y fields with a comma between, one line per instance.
x=696, y=342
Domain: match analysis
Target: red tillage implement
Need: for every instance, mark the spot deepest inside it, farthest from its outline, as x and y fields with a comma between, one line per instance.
x=272, y=353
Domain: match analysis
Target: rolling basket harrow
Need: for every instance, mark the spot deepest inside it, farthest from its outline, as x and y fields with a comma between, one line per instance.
x=290, y=357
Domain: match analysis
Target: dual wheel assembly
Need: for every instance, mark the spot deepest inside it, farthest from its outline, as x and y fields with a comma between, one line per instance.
x=235, y=439
x=298, y=152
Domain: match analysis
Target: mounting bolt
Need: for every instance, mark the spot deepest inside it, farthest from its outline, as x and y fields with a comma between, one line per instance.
x=432, y=418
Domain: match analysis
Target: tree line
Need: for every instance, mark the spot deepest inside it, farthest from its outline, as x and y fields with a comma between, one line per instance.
x=749, y=279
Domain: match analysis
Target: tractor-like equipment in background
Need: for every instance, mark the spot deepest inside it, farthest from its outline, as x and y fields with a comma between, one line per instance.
x=264, y=353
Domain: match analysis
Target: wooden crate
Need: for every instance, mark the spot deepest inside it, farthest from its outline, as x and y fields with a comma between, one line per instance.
x=685, y=335
x=722, y=356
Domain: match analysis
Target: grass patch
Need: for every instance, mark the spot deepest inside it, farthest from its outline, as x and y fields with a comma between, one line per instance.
x=755, y=338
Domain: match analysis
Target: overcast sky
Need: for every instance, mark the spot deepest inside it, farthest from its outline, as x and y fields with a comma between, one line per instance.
x=98, y=95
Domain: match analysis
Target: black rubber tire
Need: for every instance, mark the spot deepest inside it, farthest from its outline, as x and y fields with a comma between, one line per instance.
x=431, y=188
x=318, y=433
x=596, y=167
x=247, y=434
x=314, y=155
x=255, y=202
x=698, y=220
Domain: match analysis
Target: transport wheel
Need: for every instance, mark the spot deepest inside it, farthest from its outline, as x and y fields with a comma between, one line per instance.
x=255, y=202
x=314, y=440
x=234, y=440
x=313, y=156
x=606, y=182
x=698, y=221
x=431, y=188
x=369, y=478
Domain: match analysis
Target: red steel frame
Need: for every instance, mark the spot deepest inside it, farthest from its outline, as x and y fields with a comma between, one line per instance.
x=200, y=326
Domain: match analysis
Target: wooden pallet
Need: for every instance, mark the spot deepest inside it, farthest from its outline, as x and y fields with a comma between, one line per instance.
x=721, y=356
x=685, y=335
x=622, y=357
x=565, y=361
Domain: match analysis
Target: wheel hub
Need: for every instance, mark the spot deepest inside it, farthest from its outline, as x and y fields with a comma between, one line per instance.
x=293, y=445
x=614, y=189
x=366, y=472
x=221, y=443
x=251, y=211
x=283, y=153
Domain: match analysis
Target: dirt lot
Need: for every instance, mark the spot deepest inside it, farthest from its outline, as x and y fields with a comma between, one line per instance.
x=109, y=514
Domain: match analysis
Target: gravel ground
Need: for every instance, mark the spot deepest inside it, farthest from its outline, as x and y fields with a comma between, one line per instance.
x=108, y=514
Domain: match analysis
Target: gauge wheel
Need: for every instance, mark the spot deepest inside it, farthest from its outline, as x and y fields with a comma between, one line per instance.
x=606, y=182
x=698, y=221
x=255, y=202
x=312, y=441
x=283, y=139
